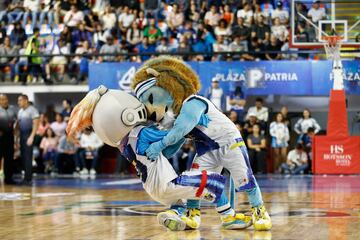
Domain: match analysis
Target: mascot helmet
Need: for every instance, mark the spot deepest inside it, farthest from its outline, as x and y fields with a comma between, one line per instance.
x=112, y=114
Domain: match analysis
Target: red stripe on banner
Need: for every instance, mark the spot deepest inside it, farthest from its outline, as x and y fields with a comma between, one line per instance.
x=195, y=166
x=202, y=184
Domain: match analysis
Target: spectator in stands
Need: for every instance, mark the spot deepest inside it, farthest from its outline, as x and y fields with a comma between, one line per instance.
x=220, y=46
x=237, y=103
x=243, y=32
x=59, y=126
x=80, y=63
x=18, y=35
x=7, y=62
x=286, y=47
x=152, y=32
x=233, y=116
x=266, y=8
x=175, y=18
x=46, y=11
x=48, y=146
x=79, y=36
x=65, y=150
x=273, y=46
x=279, y=30
x=280, y=13
x=27, y=125
x=141, y=20
x=99, y=37
x=227, y=15
x=192, y=14
x=297, y=161
x=256, y=144
x=21, y=66
x=162, y=47
x=3, y=9
x=15, y=11
x=59, y=61
x=188, y=31
x=109, y=48
x=108, y=19
x=304, y=123
x=254, y=47
x=216, y=95
x=306, y=140
x=261, y=112
x=239, y=46
x=66, y=36
x=316, y=12
x=125, y=19
x=246, y=13
x=43, y=125
x=212, y=17
x=261, y=31
x=67, y=109
x=145, y=47
x=223, y=29
x=279, y=140
x=73, y=17
x=33, y=8
x=89, y=144
x=184, y=48
x=134, y=35
x=35, y=61
x=285, y=112
x=251, y=120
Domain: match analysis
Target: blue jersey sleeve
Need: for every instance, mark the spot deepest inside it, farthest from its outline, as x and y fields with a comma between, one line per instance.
x=147, y=136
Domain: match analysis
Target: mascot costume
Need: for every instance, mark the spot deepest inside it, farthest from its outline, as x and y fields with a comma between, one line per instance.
x=167, y=85
x=119, y=120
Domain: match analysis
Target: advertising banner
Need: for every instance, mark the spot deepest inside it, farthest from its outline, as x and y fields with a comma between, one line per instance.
x=301, y=78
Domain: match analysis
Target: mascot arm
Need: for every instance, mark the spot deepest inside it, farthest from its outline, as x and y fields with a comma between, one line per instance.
x=170, y=151
x=189, y=117
x=149, y=135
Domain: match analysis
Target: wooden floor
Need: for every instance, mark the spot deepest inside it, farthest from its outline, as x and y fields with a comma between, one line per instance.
x=303, y=207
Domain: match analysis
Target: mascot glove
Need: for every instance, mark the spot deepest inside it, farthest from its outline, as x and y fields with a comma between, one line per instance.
x=154, y=150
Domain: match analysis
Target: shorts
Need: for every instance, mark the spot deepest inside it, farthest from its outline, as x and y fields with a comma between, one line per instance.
x=275, y=144
x=234, y=157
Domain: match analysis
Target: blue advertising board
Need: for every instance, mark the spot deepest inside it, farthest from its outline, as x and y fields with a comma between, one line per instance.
x=312, y=78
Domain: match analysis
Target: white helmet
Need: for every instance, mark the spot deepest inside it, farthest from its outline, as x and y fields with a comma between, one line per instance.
x=116, y=114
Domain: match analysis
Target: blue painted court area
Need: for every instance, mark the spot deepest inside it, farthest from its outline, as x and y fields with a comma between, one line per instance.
x=268, y=183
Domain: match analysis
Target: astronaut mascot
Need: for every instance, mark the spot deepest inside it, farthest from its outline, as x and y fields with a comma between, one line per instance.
x=120, y=120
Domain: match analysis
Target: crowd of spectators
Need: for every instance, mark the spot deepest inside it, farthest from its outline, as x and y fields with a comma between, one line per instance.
x=115, y=28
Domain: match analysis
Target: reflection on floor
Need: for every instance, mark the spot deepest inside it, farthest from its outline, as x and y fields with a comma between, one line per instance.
x=110, y=207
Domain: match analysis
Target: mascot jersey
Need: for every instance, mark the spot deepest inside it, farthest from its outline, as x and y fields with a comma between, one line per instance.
x=159, y=179
x=214, y=129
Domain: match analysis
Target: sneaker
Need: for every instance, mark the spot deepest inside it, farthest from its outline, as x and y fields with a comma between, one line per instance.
x=28, y=79
x=34, y=80
x=92, y=172
x=16, y=79
x=239, y=221
x=192, y=218
x=1, y=173
x=171, y=220
x=261, y=219
x=84, y=172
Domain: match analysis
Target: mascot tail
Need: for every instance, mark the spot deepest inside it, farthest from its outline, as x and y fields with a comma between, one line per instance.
x=81, y=116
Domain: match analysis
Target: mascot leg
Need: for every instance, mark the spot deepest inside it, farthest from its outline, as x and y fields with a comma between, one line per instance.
x=195, y=184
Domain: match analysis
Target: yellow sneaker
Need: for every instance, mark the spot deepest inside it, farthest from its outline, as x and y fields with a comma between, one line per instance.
x=192, y=218
x=171, y=220
x=239, y=221
x=261, y=219
x=16, y=78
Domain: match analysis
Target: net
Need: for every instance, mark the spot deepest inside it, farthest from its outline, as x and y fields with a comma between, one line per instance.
x=332, y=47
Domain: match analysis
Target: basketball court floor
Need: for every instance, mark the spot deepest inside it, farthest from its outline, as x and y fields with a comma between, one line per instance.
x=302, y=207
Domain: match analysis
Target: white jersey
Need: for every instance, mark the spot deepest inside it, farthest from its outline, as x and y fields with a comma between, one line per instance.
x=219, y=132
x=151, y=171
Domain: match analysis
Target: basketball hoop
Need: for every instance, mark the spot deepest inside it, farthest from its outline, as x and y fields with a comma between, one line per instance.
x=332, y=47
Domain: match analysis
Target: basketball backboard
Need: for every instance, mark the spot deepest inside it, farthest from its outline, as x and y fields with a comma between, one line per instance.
x=311, y=20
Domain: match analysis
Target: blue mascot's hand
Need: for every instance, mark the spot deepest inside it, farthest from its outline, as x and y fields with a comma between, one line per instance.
x=154, y=150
